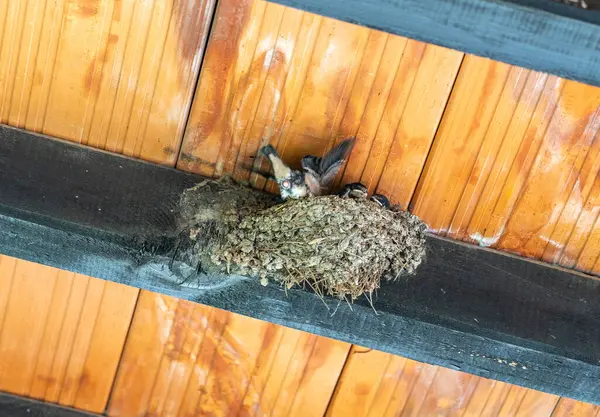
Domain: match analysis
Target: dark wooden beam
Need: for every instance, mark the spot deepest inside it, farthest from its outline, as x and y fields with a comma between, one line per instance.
x=537, y=34
x=468, y=308
x=13, y=406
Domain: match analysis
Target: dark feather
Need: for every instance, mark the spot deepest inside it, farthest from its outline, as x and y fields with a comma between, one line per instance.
x=311, y=164
x=312, y=183
x=329, y=175
x=324, y=170
x=381, y=200
x=337, y=156
x=268, y=151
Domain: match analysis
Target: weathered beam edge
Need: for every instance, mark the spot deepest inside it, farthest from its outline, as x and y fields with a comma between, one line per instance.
x=539, y=35
x=15, y=406
x=473, y=309
x=457, y=346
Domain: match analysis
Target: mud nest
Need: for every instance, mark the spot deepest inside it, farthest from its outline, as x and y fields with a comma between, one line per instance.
x=337, y=247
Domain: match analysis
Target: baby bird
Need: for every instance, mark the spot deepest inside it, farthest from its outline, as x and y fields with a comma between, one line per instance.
x=317, y=174
x=358, y=190
x=381, y=200
x=354, y=190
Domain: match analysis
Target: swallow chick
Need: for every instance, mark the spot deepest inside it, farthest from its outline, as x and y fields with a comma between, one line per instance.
x=381, y=200
x=354, y=190
x=317, y=173
x=358, y=190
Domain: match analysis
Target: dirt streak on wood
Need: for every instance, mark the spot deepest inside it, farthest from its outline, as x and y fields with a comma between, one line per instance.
x=515, y=164
x=187, y=359
x=303, y=82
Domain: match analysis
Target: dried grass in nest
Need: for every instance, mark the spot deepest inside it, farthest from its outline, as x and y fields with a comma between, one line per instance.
x=338, y=247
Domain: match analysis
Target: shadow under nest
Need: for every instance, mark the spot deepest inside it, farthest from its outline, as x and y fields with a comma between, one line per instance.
x=340, y=247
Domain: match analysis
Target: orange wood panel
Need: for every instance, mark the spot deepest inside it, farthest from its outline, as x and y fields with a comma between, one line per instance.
x=365, y=374
x=515, y=163
x=536, y=404
x=113, y=74
x=117, y=75
x=567, y=407
x=184, y=359
x=379, y=384
x=487, y=398
x=302, y=82
x=61, y=334
x=493, y=398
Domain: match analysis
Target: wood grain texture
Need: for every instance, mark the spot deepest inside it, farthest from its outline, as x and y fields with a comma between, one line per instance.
x=117, y=75
x=61, y=334
x=379, y=384
x=541, y=35
x=567, y=407
x=183, y=359
x=302, y=82
x=515, y=165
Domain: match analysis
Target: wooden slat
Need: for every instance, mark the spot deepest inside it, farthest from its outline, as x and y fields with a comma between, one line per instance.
x=114, y=75
x=536, y=404
x=487, y=399
x=302, y=82
x=184, y=359
x=515, y=165
x=541, y=35
x=117, y=75
x=378, y=384
x=62, y=335
x=364, y=372
x=567, y=407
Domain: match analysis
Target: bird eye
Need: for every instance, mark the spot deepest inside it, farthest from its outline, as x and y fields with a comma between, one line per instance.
x=285, y=184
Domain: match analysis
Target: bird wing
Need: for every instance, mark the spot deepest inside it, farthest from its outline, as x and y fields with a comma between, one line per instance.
x=311, y=163
x=337, y=154
x=332, y=162
x=313, y=184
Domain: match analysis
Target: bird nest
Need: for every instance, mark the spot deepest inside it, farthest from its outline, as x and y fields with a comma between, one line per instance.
x=337, y=247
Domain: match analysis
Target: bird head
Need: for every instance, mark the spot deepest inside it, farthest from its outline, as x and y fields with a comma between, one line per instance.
x=291, y=182
x=293, y=186
x=354, y=190
x=381, y=200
